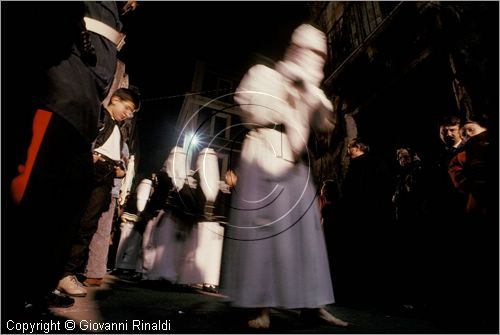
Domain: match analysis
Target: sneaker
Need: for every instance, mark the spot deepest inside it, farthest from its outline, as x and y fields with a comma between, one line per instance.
x=92, y=282
x=57, y=299
x=71, y=286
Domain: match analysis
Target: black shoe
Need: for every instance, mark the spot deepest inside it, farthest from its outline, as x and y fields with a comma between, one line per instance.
x=33, y=311
x=126, y=274
x=57, y=299
x=137, y=277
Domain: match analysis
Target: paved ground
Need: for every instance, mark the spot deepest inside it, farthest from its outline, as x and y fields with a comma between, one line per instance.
x=132, y=308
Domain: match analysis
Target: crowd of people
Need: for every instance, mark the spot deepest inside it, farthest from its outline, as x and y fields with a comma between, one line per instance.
x=411, y=239
x=261, y=237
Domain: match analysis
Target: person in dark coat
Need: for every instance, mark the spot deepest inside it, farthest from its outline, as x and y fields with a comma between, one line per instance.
x=446, y=212
x=474, y=171
x=411, y=233
x=67, y=76
x=365, y=219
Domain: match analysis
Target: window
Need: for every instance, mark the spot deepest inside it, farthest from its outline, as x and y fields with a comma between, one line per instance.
x=357, y=22
x=204, y=120
x=220, y=125
x=224, y=87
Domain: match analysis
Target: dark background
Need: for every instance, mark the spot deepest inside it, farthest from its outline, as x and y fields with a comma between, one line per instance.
x=164, y=39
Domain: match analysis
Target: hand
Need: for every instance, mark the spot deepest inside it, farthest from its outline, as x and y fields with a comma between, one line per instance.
x=129, y=6
x=119, y=172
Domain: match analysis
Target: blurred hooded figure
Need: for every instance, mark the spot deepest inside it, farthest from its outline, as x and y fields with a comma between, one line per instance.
x=275, y=254
x=165, y=232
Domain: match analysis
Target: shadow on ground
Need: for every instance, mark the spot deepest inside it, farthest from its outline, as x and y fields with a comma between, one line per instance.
x=159, y=307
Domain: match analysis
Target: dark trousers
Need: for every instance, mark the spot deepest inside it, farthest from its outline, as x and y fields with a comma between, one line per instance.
x=36, y=231
x=99, y=201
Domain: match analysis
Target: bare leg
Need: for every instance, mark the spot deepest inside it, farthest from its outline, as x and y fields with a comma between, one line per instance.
x=262, y=321
x=330, y=319
x=322, y=315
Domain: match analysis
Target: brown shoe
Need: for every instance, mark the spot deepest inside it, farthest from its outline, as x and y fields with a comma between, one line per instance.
x=92, y=282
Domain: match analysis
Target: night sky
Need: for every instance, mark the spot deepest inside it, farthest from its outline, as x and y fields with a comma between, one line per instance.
x=164, y=39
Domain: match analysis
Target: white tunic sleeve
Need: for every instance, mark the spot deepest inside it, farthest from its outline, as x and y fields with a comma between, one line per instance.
x=262, y=97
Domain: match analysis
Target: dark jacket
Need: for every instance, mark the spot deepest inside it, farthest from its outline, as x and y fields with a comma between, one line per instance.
x=75, y=86
x=106, y=126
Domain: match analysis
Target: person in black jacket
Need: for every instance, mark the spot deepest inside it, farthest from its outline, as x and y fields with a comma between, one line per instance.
x=412, y=234
x=107, y=166
x=365, y=215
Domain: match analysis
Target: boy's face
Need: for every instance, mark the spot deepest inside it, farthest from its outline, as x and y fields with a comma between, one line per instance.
x=121, y=109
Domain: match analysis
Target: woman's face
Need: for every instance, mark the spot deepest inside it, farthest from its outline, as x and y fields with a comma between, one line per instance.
x=472, y=129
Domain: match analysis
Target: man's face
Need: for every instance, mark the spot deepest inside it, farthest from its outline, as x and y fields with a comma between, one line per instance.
x=451, y=134
x=404, y=157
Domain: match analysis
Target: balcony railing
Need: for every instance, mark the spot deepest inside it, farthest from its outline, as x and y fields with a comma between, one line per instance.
x=357, y=23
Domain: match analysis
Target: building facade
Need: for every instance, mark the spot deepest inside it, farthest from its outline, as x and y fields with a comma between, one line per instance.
x=210, y=118
x=396, y=68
